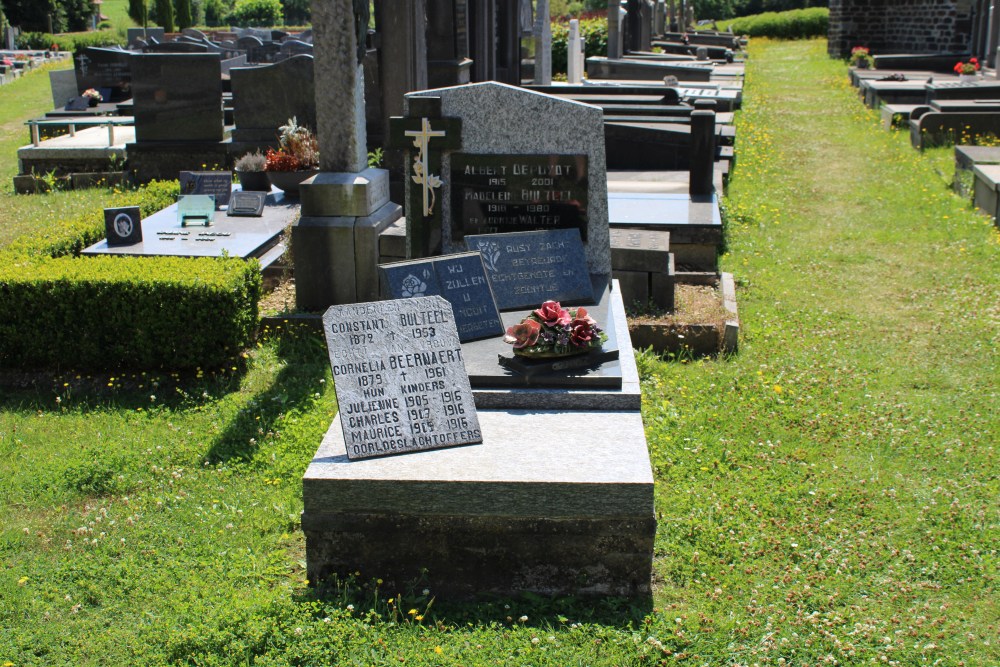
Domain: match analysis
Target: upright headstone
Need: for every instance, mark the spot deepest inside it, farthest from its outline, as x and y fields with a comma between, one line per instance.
x=266, y=96
x=543, y=43
x=616, y=45
x=346, y=205
x=660, y=18
x=702, y=161
x=177, y=97
x=528, y=161
x=402, y=66
x=645, y=25
x=145, y=34
x=447, y=43
x=107, y=68
x=575, y=56
x=64, y=88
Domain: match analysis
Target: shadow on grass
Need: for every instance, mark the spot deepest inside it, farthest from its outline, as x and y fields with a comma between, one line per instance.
x=303, y=351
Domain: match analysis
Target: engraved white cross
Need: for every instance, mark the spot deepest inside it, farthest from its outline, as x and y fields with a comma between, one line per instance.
x=422, y=175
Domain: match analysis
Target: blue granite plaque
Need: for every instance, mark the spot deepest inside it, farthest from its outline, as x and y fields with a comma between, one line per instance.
x=459, y=278
x=528, y=268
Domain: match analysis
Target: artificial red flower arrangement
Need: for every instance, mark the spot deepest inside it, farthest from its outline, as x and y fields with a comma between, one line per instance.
x=554, y=331
x=970, y=67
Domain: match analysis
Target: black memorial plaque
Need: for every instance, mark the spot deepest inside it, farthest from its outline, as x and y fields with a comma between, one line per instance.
x=123, y=226
x=246, y=204
x=216, y=183
x=493, y=194
x=459, y=278
x=400, y=378
x=528, y=268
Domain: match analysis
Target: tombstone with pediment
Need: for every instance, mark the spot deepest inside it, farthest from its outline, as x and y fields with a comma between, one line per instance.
x=491, y=158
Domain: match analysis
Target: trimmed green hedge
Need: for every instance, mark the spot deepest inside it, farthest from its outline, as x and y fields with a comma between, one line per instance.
x=793, y=24
x=77, y=42
x=62, y=311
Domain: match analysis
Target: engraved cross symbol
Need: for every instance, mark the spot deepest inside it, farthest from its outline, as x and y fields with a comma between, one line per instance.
x=84, y=62
x=421, y=170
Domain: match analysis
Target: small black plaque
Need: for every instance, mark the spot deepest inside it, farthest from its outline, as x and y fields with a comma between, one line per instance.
x=123, y=226
x=515, y=193
x=217, y=183
x=80, y=103
x=246, y=204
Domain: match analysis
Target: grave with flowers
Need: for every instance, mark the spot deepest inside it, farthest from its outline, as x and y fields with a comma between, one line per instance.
x=540, y=481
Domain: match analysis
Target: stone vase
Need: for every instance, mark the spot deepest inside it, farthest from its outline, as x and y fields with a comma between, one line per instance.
x=256, y=181
x=966, y=78
x=289, y=181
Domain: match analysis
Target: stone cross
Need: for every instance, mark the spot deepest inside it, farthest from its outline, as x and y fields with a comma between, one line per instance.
x=421, y=163
x=340, y=100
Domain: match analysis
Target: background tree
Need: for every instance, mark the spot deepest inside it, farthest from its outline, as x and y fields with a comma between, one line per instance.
x=34, y=15
x=165, y=14
x=137, y=10
x=183, y=14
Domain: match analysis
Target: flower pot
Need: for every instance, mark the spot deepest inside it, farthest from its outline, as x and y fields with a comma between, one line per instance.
x=289, y=181
x=256, y=181
x=967, y=78
x=92, y=101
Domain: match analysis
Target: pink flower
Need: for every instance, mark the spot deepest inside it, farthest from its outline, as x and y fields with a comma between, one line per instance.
x=581, y=332
x=552, y=314
x=524, y=334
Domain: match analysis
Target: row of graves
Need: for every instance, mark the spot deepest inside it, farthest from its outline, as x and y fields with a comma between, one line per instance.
x=471, y=334
x=16, y=62
x=929, y=96
x=489, y=439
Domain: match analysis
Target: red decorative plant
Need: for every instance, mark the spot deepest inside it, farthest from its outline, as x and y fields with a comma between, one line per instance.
x=970, y=67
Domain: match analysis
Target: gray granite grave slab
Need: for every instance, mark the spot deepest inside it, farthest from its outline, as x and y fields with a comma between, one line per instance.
x=163, y=235
x=459, y=278
x=528, y=268
x=177, y=97
x=265, y=97
x=400, y=380
x=500, y=119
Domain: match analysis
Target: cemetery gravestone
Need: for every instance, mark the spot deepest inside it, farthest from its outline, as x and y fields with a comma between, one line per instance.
x=400, y=381
x=99, y=67
x=459, y=278
x=123, y=226
x=265, y=97
x=177, y=97
x=528, y=268
x=64, y=88
x=504, y=126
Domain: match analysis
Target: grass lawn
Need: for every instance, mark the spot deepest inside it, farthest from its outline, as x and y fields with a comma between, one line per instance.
x=826, y=496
